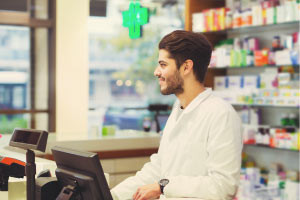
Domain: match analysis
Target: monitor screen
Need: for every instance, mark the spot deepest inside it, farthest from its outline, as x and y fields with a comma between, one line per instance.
x=27, y=137
x=83, y=171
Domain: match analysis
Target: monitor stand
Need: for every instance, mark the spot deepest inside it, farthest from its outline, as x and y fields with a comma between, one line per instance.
x=30, y=170
x=69, y=192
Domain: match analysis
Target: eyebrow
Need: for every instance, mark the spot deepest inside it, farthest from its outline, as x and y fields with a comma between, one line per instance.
x=162, y=62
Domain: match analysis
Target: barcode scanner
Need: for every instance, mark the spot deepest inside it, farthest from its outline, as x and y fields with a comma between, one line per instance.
x=10, y=167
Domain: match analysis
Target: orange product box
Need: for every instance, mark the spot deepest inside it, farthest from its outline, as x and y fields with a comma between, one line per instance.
x=261, y=57
x=247, y=18
x=237, y=19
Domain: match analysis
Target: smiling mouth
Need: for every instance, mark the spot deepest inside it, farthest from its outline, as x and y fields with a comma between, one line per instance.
x=161, y=80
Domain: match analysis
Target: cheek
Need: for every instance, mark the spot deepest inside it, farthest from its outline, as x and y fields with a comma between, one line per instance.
x=165, y=73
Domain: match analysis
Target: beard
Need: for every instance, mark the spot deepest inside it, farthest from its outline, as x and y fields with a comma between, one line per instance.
x=174, y=85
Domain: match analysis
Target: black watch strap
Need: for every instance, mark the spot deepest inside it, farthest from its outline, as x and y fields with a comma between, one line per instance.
x=162, y=183
x=161, y=189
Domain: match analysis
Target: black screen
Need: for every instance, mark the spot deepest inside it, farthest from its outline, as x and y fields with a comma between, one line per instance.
x=27, y=137
x=83, y=171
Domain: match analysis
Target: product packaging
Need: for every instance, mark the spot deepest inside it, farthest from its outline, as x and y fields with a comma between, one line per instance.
x=198, y=22
x=261, y=57
x=250, y=82
x=234, y=82
x=220, y=83
x=228, y=19
x=257, y=17
x=268, y=80
x=283, y=57
x=280, y=14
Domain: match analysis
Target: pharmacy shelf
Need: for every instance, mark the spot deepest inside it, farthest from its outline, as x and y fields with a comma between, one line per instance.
x=253, y=67
x=249, y=29
x=267, y=105
x=268, y=147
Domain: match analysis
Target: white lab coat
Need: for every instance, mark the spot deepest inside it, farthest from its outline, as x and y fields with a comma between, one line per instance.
x=200, y=153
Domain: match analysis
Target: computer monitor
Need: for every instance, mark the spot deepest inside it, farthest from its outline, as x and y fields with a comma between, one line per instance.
x=82, y=171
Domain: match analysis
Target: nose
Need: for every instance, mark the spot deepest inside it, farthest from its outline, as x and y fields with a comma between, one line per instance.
x=157, y=72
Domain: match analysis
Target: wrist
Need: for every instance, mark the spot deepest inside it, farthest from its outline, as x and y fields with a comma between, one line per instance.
x=162, y=183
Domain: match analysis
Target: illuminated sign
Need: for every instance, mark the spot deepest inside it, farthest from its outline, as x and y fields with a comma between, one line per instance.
x=134, y=18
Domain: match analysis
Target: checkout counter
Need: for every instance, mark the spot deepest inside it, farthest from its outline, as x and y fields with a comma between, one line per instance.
x=126, y=150
x=121, y=155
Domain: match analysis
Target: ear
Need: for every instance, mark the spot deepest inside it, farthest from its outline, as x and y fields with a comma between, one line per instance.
x=188, y=67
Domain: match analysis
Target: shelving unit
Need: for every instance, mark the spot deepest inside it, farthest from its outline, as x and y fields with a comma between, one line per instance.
x=296, y=67
x=264, y=155
x=249, y=29
x=265, y=105
x=275, y=149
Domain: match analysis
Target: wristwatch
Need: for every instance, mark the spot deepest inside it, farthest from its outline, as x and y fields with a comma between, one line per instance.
x=162, y=183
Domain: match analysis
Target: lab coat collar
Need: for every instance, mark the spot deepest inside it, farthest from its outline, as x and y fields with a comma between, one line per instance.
x=196, y=101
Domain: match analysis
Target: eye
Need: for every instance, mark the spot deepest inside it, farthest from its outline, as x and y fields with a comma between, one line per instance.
x=163, y=65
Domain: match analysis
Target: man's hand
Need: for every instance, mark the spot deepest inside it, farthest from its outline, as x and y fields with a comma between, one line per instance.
x=147, y=192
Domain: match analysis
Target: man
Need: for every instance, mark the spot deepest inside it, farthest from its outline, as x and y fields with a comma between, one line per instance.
x=200, y=150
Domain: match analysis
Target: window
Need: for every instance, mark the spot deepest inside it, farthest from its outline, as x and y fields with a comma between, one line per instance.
x=122, y=84
x=25, y=35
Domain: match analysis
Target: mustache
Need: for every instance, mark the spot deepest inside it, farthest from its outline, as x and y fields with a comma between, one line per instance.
x=160, y=77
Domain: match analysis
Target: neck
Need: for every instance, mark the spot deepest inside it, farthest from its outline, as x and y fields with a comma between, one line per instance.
x=190, y=92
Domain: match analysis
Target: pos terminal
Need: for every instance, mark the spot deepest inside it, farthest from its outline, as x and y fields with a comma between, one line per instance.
x=29, y=140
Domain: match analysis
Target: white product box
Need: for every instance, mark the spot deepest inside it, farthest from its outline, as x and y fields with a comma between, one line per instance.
x=268, y=80
x=222, y=57
x=257, y=18
x=234, y=82
x=291, y=191
x=270, y=15
x=220, y=83
x=280, y=14
x=250, y=82
x=284, y=79
x=283, y=57
x=198, y=22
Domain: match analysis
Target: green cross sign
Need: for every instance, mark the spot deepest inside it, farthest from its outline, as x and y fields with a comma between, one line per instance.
x=134, y=18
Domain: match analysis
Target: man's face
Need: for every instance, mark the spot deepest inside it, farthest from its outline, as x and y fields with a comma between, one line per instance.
x=170, y=80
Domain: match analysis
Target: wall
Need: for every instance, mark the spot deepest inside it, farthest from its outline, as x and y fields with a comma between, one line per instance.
x=72, y=68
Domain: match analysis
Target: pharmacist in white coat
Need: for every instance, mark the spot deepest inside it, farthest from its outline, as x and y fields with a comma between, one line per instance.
x=200, y=151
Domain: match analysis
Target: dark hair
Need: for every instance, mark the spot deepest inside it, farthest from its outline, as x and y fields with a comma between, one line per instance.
x=183, y=45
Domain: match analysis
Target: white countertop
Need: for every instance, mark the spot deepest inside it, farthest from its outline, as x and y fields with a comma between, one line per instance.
x=122, y=140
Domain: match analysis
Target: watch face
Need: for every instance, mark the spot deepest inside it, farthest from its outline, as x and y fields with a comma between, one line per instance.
x=163, y=182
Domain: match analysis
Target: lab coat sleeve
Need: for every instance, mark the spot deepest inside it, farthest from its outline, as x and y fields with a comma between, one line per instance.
x=224, y=148
x=149, y=174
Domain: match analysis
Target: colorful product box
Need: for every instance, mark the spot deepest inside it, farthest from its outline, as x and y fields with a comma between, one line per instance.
x=220, y=18
x=247, y=18
x=261, y=57
x=237, y=19
x=208, y=19
x=268, y=80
